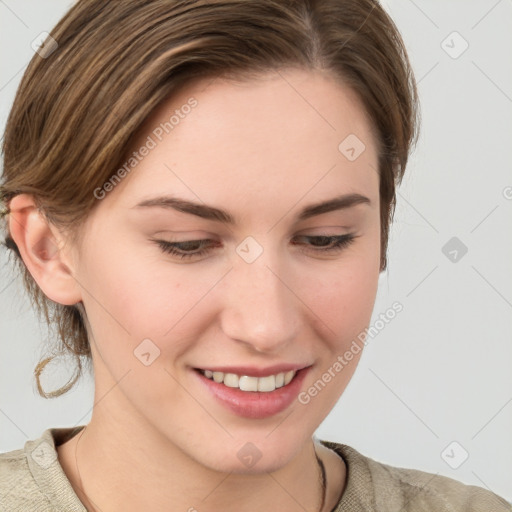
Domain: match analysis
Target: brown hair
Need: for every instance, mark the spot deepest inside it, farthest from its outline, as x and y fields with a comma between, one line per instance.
x=77, y=109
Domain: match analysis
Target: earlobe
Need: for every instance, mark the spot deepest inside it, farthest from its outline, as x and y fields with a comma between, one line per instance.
x=42, y=249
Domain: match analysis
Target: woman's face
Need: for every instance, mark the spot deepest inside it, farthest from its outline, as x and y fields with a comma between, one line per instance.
x=240, y=166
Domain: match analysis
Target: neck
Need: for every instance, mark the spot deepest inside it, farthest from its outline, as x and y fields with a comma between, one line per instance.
x=113, y=459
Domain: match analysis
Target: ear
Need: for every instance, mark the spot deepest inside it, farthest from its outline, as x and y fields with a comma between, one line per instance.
x=42, y=248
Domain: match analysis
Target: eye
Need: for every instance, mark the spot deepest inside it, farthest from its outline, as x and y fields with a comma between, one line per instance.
x=196, y=248
x=186, y=249
x=331, y=243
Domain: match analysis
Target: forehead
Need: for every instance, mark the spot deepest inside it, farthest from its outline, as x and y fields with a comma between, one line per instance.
x=282, y=135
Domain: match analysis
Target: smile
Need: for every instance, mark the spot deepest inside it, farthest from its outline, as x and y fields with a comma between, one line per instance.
x=248, y=383
x=252, y=392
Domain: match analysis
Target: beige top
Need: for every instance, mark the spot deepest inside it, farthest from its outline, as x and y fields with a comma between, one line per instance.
x=32, y=480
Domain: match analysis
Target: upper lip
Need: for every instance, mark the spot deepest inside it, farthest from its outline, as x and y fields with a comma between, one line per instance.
x=253, y=371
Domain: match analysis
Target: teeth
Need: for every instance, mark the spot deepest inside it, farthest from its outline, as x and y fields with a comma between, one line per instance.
x=267, y=383
x=247, y=383
x=231, y=380
x=288, y=376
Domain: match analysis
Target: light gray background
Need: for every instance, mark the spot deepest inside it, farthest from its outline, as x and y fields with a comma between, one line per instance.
x=441, y=370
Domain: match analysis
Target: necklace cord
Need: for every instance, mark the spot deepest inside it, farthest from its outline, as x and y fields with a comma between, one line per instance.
x=324, y=481
x=76, y=464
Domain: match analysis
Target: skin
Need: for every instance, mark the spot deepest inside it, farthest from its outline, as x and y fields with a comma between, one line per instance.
x=262, y=150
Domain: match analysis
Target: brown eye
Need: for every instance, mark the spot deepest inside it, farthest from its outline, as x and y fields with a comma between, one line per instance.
x=330, y=243
x=196, y=248
x=185, y=249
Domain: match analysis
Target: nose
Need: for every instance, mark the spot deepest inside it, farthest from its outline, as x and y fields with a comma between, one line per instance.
x=260, y=308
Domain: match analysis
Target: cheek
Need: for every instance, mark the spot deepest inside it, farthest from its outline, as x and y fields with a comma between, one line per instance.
x=344, y=299
x=137, y=288
x=140, y=295
x=132, y=302
x=344, y=305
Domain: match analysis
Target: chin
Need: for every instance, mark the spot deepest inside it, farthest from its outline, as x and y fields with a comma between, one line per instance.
x=251, y=454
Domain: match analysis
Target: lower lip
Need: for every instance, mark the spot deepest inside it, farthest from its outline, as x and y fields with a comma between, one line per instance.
x=255, y=404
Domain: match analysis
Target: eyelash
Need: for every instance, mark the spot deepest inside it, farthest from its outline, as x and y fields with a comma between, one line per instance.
x=339, y=242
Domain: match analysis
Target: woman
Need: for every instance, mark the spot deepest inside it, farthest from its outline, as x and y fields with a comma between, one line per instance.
x=199, y=196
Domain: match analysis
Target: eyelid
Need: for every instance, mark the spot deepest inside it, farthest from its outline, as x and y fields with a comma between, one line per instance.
x=324, y=230
x=337, y=244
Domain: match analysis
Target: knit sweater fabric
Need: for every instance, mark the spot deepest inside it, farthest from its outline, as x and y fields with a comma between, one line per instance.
x=32, y=480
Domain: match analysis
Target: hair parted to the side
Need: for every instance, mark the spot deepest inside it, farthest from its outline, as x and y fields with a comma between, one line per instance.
x=77, y=111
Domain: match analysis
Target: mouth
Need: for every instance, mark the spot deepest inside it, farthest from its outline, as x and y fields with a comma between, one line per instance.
x=253, y=393
x=250, y=383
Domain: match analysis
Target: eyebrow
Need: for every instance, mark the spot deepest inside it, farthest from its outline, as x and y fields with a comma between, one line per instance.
x=216, y=214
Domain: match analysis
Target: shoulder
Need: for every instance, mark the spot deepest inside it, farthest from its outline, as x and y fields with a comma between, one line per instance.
x=18, y=488
x=389, y=488
x=421, y=490
x=31, y=478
